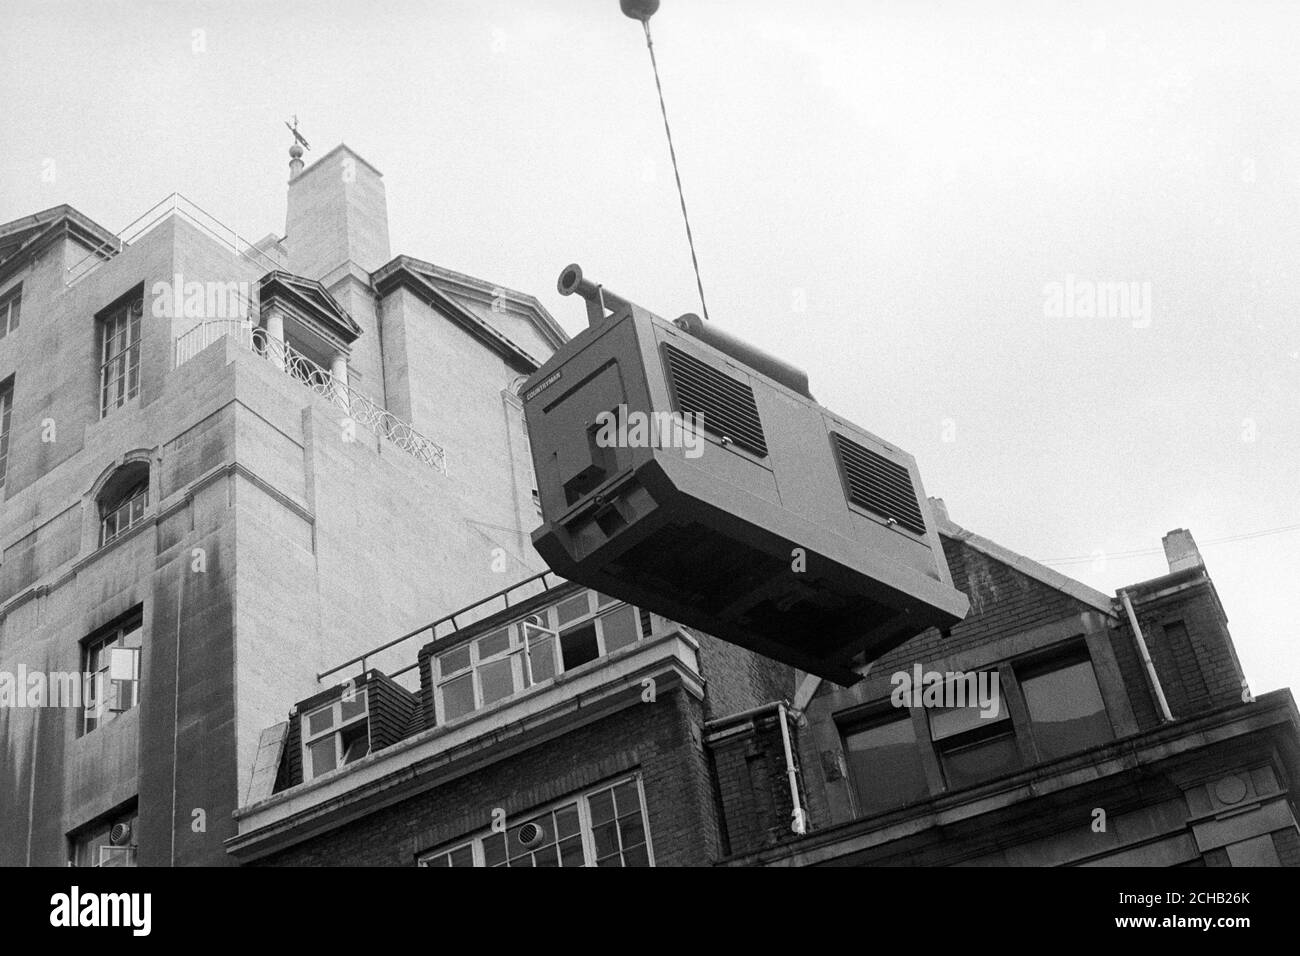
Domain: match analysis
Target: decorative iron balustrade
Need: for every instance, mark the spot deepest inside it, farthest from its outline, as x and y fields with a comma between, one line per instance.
x=359, y=407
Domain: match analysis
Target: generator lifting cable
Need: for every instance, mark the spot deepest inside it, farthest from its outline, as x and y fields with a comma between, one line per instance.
x=643, y=10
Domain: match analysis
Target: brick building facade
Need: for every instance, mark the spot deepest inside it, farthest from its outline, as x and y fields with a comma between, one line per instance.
x=1080, y=764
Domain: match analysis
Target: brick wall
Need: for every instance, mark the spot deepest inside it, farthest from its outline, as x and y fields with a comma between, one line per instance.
x=1005, y=604
x=1003, y=601
x=1187, y=635
x=738, y=680
x=753, y=788
x=661, y=740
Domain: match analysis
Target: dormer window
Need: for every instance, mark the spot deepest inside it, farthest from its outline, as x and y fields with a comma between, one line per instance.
x=123, y=501
x=558, y=639
x=335, y=735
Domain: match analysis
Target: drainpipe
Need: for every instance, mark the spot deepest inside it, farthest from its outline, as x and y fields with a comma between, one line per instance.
x=1166, y=716
x=798, y=824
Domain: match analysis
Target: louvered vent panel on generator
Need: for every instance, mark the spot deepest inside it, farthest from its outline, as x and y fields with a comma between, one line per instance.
x=725, y=406
x=874, y=482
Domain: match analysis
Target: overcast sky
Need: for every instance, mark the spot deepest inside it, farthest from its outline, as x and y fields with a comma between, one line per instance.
x=883, y=193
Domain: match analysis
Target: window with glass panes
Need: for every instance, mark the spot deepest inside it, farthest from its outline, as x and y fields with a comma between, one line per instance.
x=335, y=735
x=973, y=745
x=602, y=827
x=884, y=763
x=119, y=354
x=11, y=308
x=111, y=663
x=111, y=843
x=531, y=651
x=1066, y=712
x=123, y=511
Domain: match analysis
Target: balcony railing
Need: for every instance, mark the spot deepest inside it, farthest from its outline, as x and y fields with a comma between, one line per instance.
x=201, y=336
x=359, y=407
x=519, y=592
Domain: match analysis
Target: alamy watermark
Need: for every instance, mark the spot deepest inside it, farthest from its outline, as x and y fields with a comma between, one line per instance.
x=922, y=688
x=1085, y=299
x=201, y=300
x=636, y=429
x=25, y=688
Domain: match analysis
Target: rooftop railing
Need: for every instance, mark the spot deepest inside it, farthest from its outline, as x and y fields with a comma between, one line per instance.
x=450, y=624
x=173, y=205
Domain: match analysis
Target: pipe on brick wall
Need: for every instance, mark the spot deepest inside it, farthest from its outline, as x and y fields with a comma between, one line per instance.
x=798, y=824
x=799, y=820
x=1165, y=715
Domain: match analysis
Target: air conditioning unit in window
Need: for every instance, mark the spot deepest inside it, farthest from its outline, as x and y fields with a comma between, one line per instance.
x=692, y=475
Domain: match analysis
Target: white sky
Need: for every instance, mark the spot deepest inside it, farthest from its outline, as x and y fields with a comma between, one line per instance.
x=911, y=173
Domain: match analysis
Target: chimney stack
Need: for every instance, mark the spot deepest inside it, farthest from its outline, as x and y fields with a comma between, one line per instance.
x=1181, y=551
x=337, y=216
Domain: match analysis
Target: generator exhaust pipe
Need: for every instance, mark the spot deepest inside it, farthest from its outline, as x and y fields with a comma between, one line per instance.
x=600, y=301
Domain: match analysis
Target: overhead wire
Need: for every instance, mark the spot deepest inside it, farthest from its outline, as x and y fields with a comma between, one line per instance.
x=1142, y=552
x=672, y=152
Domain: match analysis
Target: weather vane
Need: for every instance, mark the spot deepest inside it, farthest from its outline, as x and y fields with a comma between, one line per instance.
x=297, y=135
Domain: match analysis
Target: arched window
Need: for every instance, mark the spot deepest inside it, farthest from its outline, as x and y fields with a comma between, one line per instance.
x=123, y=500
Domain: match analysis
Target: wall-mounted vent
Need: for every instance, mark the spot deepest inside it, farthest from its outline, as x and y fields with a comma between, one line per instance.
x=531, y=834
x=874, y=482
x=725, y=406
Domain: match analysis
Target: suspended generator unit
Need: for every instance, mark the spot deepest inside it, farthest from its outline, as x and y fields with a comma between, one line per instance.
x=692, y=475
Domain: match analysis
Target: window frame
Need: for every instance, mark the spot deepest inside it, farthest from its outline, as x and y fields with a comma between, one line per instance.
x=1072, y=654
x=857, y=722
x=11, y=310
x=338, y=724
x=85, y=839
x=121, y=368
x=92, y=648
x=586, y=829
x=1004, y=726
x=135, y=504
x=6, y=427
x=520, y=649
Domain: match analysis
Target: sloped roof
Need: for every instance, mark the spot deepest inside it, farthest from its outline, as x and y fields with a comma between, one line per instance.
x=1027, y=566
x=30, y=232
x=439, y=287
